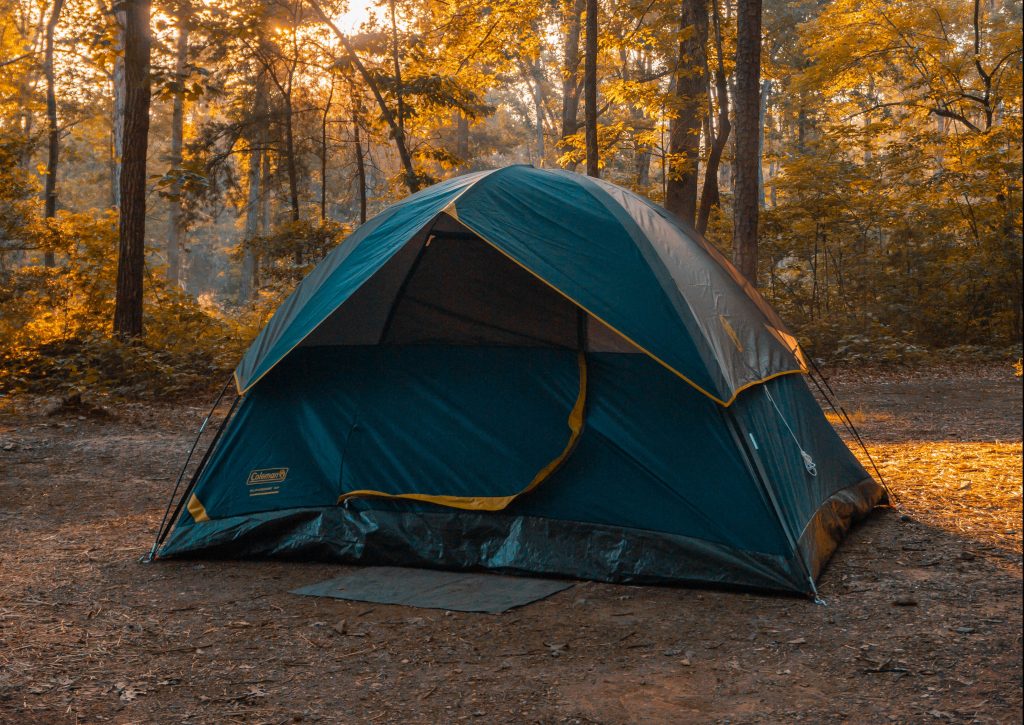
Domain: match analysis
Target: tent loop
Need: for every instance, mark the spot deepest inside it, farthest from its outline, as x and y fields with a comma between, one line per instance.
x=809, y=465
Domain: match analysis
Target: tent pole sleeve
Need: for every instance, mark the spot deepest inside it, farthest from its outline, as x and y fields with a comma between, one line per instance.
x=168, y=522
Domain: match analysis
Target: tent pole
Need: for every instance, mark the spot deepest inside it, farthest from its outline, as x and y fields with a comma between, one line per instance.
x=192, y=482
x=168, y=519
x=402, y=288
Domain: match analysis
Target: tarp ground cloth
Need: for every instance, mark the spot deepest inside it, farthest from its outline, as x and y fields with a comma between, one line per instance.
x=529, y=371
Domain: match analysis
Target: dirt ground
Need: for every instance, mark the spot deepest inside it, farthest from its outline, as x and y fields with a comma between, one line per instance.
x=922, y=623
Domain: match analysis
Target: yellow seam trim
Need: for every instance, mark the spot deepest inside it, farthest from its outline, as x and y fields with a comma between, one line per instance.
x=198, y=511
x=752, y=383
x=498, y=503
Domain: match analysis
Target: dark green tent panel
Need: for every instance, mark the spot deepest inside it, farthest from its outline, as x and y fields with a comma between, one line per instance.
x=529, y=371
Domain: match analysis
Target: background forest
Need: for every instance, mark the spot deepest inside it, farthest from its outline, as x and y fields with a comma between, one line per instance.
x=888, y=135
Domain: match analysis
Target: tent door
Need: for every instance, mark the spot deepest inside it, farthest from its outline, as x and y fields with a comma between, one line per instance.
x=455, y=437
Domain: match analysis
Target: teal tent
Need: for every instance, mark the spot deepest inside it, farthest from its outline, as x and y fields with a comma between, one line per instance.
x=535, y=371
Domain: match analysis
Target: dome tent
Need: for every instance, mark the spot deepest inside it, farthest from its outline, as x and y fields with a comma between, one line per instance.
x=535, y=371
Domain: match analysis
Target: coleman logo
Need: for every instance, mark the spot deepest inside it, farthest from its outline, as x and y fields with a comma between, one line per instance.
x=267, y=475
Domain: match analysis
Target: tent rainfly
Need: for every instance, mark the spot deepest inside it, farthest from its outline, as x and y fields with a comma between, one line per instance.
x=530, y=371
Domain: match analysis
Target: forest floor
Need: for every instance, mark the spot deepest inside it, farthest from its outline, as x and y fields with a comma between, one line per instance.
x=922, y=623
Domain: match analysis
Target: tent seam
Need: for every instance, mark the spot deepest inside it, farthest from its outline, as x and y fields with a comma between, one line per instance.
x=609, y=203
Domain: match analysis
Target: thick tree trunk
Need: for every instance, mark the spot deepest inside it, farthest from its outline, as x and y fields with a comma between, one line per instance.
x=573, y=10
x=397, y=70
x=52, y=131
x=265, y=215
x=175, y=230
x=748, y=158
x=291, y=166
x=590, y=91
x=762, y=114
x=642, y=167
x=132, y=224
x=711, y=196
x=684, y=130
x=117, y=111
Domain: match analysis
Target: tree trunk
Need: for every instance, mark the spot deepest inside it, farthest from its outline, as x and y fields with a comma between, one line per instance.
x=357, y=142
x=641, y=151
x=254, y=191
x=132, y=223
x=590, y=91
x=252, y=223
x=690, y=90
x=174, y=208
x=360, y=172
x=323, y=153
x=52, y=132
x=538, y=105
x=748, y=159
x=265, y=201
x=397, y=128
x=711, y=196
x=462, y=139
x=26, y=101
x=291, y=163
x=117, y=112
x=571, y=70
x=397, y=69
x=762, y=113
x=265, y=215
